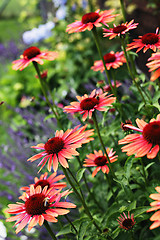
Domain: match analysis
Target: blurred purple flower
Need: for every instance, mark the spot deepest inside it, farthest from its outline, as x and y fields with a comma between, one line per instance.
x=8, y=52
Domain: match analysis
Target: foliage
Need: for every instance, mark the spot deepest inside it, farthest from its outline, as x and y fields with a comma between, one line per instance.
x=32, y=121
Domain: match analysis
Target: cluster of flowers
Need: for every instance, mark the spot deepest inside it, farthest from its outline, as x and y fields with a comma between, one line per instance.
x=42, y=199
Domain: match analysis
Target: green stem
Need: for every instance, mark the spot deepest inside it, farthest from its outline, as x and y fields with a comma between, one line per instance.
x=61, y=225
x=96, y=38
x=109, y=183
x=49, y=230
x=130, y=72
x=109, y=238
x=144, y=173
x=76, y=182
x=82, y=200
x=113, y=77
x=55, y=106
x=71, y=223
x=45, y=94
x=102, y=144
x=87, y=187
x=123, y=10
x=132, y=237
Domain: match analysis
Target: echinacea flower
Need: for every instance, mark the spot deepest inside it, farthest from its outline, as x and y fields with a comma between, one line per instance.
x=143, y=144
x=99, y=160
x=119, y=30
x=112, y=60
x=43, y=74
x=33, y=54
x=123, y=125
x=107, y=87
x=87, y=104
x=155, y=206
x=147, y=41
x=153, y=65
x=125, y=222
x=62, y=147
x=90, y=20
x=38, y=205
x=50, y=182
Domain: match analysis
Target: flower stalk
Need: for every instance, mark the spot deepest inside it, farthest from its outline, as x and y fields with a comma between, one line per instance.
x=82, y=200
x=45, y=94
x=123, y=10
x=72, y=225
x=102, y=144
x=87, y=187
x=144, y=173
x=96, y=38
x=110, y=186
x=49, y=230
x=130, y=72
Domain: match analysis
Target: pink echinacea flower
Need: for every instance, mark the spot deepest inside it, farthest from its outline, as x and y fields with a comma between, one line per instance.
x=125, y=222
x=147, y=41
x=119, y=30
x=99, y=160
x=33, y=54
x=146, y=143
x=87, y=104
x=38, y=205
x=155, y=206
x=90, y=20
x=62, y=147
x=50, y=182
x=153, y=65
x=112, y=60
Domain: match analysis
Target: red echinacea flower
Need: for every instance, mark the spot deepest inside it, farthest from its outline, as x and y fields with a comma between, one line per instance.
x=119, y=30
x=107, y=87
x=62, y=147
x=90, y=20
x=112, y=60
x=50, y=182
x=38, y=205
x=87, y=104
x=153, y=65
x=143, y=144
x=33, y=54
x=99, y=160
x=147, y=41
x=155, y=206
x=125, y=222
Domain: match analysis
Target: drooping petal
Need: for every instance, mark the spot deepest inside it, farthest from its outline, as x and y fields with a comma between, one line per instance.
x=153, y=152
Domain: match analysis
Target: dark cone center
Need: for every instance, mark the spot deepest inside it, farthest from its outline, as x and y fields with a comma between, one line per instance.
x=31, y=52
x=151, y=132
x=54, y=145
x=90, y=17
x=150, y=38
x=89, y=103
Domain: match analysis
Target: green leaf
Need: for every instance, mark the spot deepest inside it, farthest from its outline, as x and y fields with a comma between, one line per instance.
x=116, y=232
x=142, y=76
x=132, y=205
x=49, y=116
x=140, y=210
x=80, y=174
x=149, y=165
x=65, y=230
x=141, y=105
x=151, y=109
x=128, y=165
x=82, y=230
